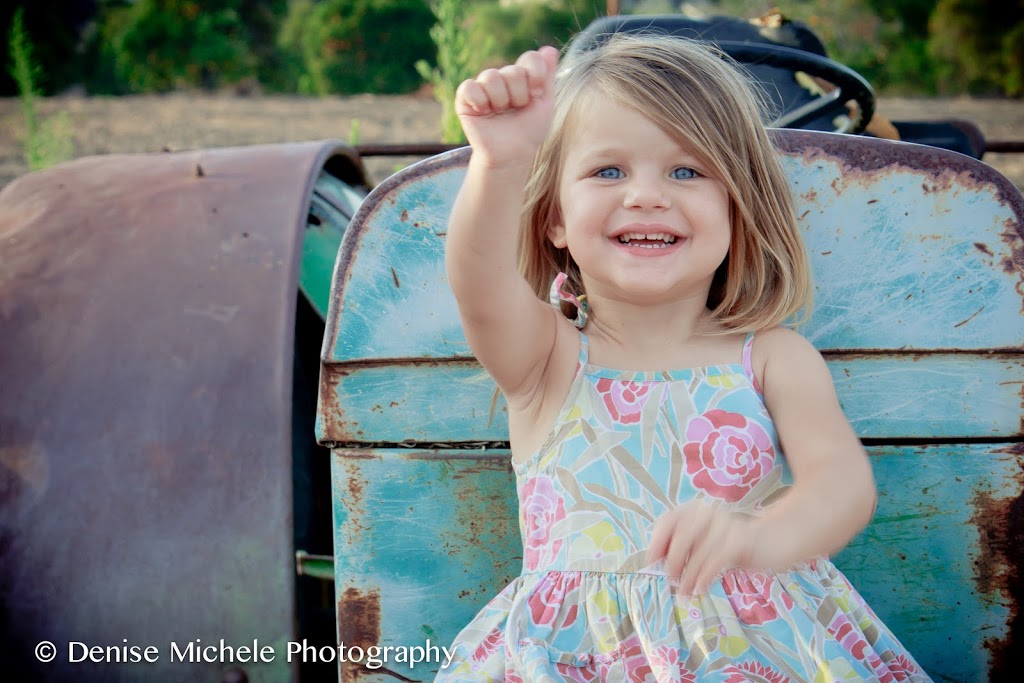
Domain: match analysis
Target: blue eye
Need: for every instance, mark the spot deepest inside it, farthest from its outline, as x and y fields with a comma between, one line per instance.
x=684, y=173
x=609, y=173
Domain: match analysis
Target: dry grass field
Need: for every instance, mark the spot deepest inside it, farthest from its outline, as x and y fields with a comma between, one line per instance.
x=189, y=121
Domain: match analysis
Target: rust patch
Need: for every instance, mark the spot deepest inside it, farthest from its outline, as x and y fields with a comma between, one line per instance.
x=1013, y=236
x=405, y=215
x=330, y=413
x=394, y=276
x=865, y=157
x=1000, y=524
x=358, y=626
x=982, y=247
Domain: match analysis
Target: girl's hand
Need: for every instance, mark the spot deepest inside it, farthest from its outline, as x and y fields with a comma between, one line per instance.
x=506, y=112
x=700, y=540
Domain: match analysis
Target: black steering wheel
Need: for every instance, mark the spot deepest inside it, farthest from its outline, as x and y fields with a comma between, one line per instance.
x=847, y=85
x=773, y=65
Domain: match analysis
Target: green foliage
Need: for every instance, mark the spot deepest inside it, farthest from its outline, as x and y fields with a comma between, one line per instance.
x=47, y=142
x=455, y=63
x=292, y=46
x=351, y=46
x=976, y=45
x=262, y=20
x=358, y=46
x=161, y=45
x=57, y=26
x=500, y=34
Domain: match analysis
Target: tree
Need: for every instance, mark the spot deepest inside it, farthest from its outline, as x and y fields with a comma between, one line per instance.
x=976, y=45
x=360, y=46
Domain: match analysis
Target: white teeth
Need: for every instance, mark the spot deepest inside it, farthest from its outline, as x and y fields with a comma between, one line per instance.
x=647, y=239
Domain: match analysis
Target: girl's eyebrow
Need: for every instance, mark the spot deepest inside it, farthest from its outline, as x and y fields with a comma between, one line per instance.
x=613, y=150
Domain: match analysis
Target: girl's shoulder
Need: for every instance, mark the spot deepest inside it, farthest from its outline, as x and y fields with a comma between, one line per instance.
x=782, y=352
x=782, y=344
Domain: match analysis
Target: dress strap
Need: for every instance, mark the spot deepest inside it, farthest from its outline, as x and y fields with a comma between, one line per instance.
x=584, y=350
x=748, y=366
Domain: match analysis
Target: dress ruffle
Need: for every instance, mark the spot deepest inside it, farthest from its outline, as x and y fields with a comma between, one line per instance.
x=807, y=624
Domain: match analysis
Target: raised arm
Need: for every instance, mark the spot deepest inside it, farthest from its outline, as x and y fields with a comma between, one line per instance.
x=506, y=114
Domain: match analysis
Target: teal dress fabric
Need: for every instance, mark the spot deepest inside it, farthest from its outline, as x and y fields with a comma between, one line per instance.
x=627, y=447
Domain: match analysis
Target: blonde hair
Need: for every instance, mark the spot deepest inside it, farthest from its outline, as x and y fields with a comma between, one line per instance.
x=711, y=108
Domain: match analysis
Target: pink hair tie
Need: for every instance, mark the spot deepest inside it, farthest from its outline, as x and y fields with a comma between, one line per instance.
x=558, y=295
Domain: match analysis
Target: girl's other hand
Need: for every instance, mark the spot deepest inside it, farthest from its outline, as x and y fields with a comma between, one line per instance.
x=506, y=112
x=700, y=540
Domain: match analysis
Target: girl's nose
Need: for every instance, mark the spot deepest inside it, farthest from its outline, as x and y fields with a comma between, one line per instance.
x=646, y=195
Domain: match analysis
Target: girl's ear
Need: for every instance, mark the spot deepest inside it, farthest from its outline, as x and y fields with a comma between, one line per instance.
x=556, y=233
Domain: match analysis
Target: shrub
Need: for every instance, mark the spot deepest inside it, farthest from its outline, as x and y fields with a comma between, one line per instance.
x=500, y=34
x=47, y=142
x=455, y=63
x=976, y=46
x=358, y=46
x=161, y=45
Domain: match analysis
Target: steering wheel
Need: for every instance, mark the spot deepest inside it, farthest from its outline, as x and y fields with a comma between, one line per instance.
x=848, y=84
x=773, y=65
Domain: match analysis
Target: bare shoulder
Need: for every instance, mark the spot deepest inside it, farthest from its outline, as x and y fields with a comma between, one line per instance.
x=784, y=357
x=783, y=343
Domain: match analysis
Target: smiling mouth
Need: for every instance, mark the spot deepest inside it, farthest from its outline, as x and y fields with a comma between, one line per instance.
x=659, y=240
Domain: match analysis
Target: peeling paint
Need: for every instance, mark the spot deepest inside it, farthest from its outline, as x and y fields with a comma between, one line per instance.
x=999, y=568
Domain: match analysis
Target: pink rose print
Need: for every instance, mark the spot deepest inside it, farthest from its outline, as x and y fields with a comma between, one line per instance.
x=577, y=674
x=750, y=594
x=546, y=602
x=849, y=636
x=897, y=669
x=494, y=640
x=634, y=660
x=902, y=668
x=880, y=669
x=542, y=508
x=727, y=455
x=739, y=674
x=667, y=667
x=624, y=400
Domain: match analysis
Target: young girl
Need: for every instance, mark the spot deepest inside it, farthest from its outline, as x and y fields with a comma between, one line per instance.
x=660, y=542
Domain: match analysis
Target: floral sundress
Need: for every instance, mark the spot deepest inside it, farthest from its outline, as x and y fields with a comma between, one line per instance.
x=627, y=447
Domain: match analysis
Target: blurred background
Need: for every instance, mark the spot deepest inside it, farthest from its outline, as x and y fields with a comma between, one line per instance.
x=345, y=47
x=145, y=75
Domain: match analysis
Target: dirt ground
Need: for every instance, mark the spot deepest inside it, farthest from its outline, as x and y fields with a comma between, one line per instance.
x=186, y=121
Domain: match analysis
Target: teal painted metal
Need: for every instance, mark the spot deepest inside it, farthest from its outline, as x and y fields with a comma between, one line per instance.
x=332, y=205
x=436, y=532
x=942, y=395
x=919, y=269
x=922, y=563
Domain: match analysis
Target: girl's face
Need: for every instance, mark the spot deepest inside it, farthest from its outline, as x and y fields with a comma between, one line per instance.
x=640, y=215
